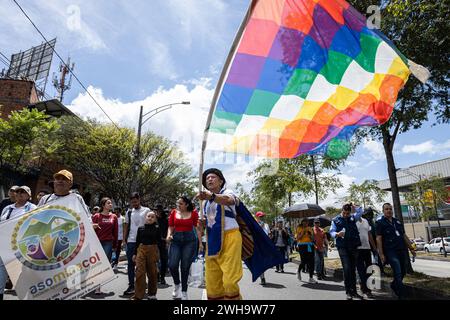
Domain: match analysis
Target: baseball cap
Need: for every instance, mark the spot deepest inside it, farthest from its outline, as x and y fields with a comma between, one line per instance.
x=14, y=188
x=25, y=188
x=66, y=174
x=260, y=214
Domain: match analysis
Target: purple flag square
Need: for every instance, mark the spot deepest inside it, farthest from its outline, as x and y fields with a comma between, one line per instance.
x=324, y=27
x=287, y=46
x=354, y=20
x=245, y=70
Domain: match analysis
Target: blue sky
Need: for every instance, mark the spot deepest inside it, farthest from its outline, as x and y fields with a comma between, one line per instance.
x=132, y=53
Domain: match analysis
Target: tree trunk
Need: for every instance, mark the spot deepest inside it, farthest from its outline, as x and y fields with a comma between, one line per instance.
x=392, y=171
x=388, y=142
x=290, y=198
x=316, y=189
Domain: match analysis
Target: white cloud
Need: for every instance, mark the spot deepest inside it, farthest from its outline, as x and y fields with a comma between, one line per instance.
x=352, y=164
x=161, y=61
x=183, y=124
x=73, y=24
x=429, y=147
x=375, y=148
x=335, y=199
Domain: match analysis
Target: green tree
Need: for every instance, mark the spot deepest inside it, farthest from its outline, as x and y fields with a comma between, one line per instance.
x=419, y=29
x=366, y=193
x=303, y=176
x=332, y=212
x=25, y=140
x=426, y=196
x=104, y=155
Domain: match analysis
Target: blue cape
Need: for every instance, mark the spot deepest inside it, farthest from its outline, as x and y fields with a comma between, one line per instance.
x=265, y=254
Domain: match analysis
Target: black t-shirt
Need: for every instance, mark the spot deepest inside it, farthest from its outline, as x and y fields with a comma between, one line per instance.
x=392, y=233
x=148, y=234
x=163, y=226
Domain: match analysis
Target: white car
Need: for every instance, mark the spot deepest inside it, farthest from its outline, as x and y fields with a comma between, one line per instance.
x=420, y=244
x=435, y=245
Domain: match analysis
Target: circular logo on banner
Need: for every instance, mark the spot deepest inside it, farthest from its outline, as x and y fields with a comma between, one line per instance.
x=48, y=238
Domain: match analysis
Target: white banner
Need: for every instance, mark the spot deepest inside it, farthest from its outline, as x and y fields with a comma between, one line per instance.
x=53, y=252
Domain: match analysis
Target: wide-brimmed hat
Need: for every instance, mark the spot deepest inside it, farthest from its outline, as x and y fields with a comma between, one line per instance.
x=217, y=172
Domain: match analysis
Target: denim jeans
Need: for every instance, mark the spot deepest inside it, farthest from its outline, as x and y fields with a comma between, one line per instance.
x=182, y=249
x=3, y=276
x=107, y=247
x=396, y=259
x=115, y=261
x=319, y=263
x=162, y=260
x=363, y=261
x=130, y=268
x=283, y=253
x=348, y=260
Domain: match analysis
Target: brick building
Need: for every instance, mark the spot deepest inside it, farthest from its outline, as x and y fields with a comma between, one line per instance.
x=15, y=95
x=19, y=94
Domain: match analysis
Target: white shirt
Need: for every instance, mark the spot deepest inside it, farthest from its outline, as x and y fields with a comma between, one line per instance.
x=280, y=242
x=137, y=220
x=48, y=199
x=364, y=229
x=264, y=226
x=120, y=227
x=211, y=212
x=16, y=212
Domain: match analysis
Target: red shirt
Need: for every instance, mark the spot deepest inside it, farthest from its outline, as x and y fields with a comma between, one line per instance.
x=183, y=224
x=319, y=238
x=109, y=227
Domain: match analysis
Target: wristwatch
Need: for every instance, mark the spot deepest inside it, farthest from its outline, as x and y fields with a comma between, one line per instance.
x=213, y=196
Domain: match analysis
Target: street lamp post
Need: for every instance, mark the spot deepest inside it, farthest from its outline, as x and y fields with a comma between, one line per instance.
x=142, y=121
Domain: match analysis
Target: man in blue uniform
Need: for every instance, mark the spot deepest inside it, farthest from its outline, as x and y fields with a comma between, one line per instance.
x=392, y=242
x=344, y=230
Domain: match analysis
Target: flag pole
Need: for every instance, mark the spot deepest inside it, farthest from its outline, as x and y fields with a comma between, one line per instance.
x=219, y=87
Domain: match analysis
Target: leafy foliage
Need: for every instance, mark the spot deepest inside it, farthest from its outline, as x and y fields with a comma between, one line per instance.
x=367, y=193
x=25, y=139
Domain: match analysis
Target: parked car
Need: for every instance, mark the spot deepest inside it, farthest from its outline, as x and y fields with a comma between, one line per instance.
x=419, y=244
x=435, y=245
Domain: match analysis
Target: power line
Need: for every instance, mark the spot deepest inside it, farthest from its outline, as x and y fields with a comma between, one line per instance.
x=4, y=62
x=5, y=57
x=62, y=60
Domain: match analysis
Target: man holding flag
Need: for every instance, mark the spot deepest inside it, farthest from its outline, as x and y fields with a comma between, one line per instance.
x=224, y=241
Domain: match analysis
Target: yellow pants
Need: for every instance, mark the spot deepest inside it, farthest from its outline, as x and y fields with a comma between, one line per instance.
x=223, y=272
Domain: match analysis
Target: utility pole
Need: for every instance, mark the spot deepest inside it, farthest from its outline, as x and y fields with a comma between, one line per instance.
x=439, y=223
x=60, y=84
x=315, y=180
x=137, y=151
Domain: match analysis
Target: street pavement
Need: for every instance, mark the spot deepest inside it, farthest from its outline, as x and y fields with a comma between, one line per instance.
x=280, y=286
x=429, y=267
x=432, y=267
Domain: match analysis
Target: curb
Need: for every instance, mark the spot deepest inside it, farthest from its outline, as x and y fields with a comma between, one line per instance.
x=434, y=258
x=413, y=293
